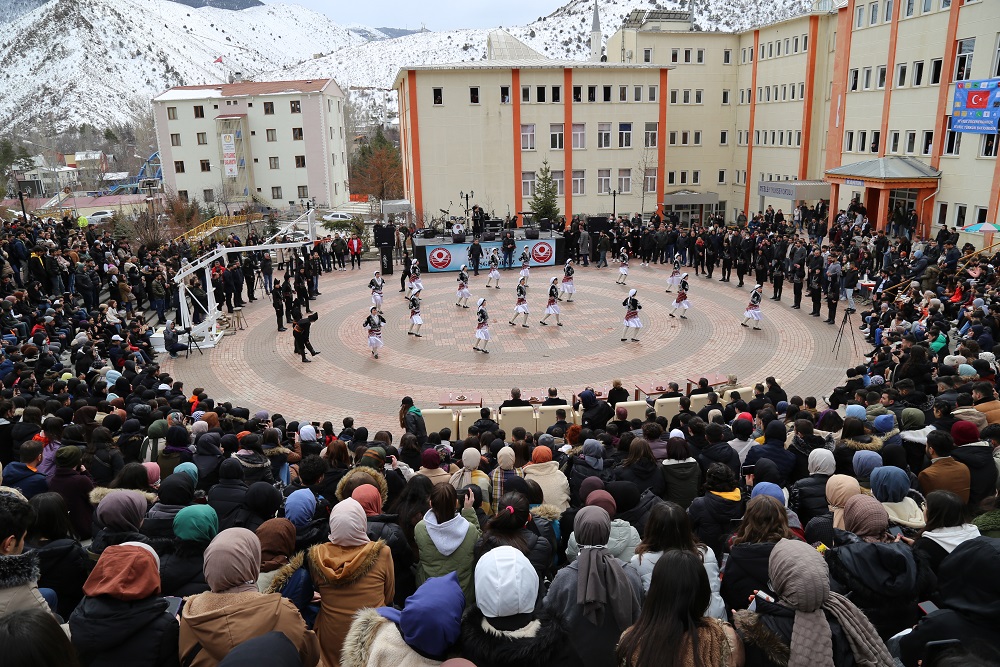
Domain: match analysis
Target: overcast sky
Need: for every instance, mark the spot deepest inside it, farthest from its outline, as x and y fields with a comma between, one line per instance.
x=435, y=14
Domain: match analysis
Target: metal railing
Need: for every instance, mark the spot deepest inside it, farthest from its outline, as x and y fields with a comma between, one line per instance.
x=218, y=221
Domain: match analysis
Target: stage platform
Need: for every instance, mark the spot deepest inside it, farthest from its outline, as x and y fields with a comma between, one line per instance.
x=441, y=253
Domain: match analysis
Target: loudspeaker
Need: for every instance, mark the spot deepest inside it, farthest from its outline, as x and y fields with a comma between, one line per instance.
x=428, y=233
x=458, y=238
x=545, y=225
x=385, y=259
x=489, y=236
x=531, y=233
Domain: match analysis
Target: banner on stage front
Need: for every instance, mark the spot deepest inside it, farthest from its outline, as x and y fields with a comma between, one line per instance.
x=976, y=106
x=451, y=256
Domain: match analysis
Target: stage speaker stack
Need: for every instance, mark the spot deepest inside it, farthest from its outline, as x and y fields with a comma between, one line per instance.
x=428, y=233
x=385, y=258
x=545, y=225
x=458, y=238
x=531, y=233
x=489, y=236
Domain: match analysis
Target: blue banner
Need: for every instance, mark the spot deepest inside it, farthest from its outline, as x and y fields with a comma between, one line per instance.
x=976, y=107
x=451, y=256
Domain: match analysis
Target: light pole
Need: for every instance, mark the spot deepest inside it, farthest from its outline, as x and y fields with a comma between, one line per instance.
x=614, y=209
x=466, y=196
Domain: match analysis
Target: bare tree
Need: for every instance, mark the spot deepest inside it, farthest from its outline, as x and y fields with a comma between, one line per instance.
x=646, y=161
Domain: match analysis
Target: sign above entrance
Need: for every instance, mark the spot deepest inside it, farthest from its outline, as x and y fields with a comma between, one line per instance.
x=776, y=190
x=976, y=106
x=855, y=182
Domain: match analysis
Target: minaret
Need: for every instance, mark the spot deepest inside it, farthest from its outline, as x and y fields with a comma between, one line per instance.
x=595, y=37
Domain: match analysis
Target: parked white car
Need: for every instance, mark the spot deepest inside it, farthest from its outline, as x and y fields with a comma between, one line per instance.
x=334, y=216
x=100, y=217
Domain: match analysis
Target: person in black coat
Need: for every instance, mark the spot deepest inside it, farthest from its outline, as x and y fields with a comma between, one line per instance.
x=763, y=525
x=228, y=495
x=63, y=562
x=175, y=493
x=807, y=497
x=208, y=457
x=596, y=413
x=261, y=502
x=123, y=615
x=182, y=571
x=713, y=515
x=640, y=468
x=803, y=443
x=718, y=450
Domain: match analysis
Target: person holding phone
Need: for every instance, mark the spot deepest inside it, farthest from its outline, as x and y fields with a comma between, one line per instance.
x=446, y=539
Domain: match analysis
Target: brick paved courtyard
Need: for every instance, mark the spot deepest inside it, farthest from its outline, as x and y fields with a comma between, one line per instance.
x=256, y=368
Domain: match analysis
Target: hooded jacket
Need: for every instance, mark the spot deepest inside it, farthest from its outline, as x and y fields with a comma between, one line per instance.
x=843, y=454
x=801, y=446
x=978, y=457
x=744, y=572
x=645, y=563
x=622, y=542
x=712, y=518
x=448, y=547
x=773, y=449
x=29, y=482
x=719, y=452
x=19, y=583
x=681, y=479
x=555, y=486
x=543, y=642
x=208, y=457
x=64, y=566
x=230, y=493
x=123, y=619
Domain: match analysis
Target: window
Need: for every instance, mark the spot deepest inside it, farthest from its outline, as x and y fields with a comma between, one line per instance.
x=559, y=180
x=695, y=177
x=952, y=142
x=996, y=60
x=687, y=55
x=802, y=90
x=760, y=94
x=894, y=141
x=859, y=19
x=673, y=96
x=876, y=140
x=607, y=93
x=300, y=161
x=918, y=73
x=781, y=138
x=988, y=147
x=178, y=166
x=473, y=94
x=438, y=95
x=873, y=15
x=272, y=135
x=910, y=8
x=604, y=135
x=556, y=136
x=556, y=94
x=770, y=49
x=888, y=11
x=527, y=184
x=849, y=141
x=579, y=182
x=805, y=42
x=577, y=93
x=650, y=135
x=784, y=92
x=942, y=213
x=795, y=44
x=700, y=56
x=208, y=196
x=767, y=93
x=727, y=57
x=272, y=162
x=867, y=77
x=171, y=113
x=684, y=177
x=697, y=137
x=296, y=134
x=927, y=6
x=674, y=55
x=911, y=142
x=647, y=55
x=528, y=137
x=603, y=181
x=275, y=193
x=525, y=93
x=963, y=61
x=672, y=138
x=699, y=95
x=624, y=135
x=881, y=77
x=579, y=136
x=936, y=64
x=651, y=94
x=773, y=142
x=722, y=177
x=591, y=93
x=960, y=210
x=199, y=112
x=269, y=110
x=927, y=142
x=671, y=177
x=504, y=94
x=724, y=137
x=182, y=195
x=624, y=181
x=686, y=97
x=685, y=138
x=175, y=140
x=540, y=94
x=798, y=137
x=303, y=192
x=205, y=165
x=725, y=97
x=202, y=138
x=637, y=94
x=900, y=75
x=649, y=180
x=295, y=106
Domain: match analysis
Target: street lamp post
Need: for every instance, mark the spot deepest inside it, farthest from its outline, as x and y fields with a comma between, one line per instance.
x=20, y=196
x=466, y=196
x=614, y=209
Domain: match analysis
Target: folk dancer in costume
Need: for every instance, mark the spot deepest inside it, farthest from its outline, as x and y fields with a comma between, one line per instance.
x=567, y=282
x=682, y=297
x=300, y=336
x=525, y=264
x=675, y=274
x=552, y=307
x=374, y=323
x=494, y=262
x=521, y=307
x=415, y=319
x=376, y=285
x=623, y=270
x=482, y=327
x=414, y=285
x=463, y=288
x=632, y=321
x=753, y=309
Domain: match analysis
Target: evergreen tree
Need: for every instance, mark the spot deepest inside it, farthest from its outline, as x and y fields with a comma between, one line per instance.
x=544, y=203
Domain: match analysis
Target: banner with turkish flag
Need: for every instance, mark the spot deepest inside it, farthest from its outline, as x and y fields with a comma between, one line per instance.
x=976, y=106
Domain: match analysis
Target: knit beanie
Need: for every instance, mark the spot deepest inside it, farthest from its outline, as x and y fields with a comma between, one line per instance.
x=855, y=410
x=885, y=423
x=69, y=456
x=768, y=489
x=604, y=500
x=374, y=457
x=965, y=370
x=541, y=454
x=964, y=432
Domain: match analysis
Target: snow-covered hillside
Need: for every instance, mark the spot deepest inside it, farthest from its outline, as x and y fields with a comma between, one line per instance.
x=99, y=61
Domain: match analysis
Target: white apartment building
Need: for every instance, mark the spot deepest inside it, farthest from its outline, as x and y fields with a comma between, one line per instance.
x=277, y=143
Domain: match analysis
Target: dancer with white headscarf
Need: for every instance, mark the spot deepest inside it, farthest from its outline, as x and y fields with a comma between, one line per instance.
x=632, y=321
x=552, y=307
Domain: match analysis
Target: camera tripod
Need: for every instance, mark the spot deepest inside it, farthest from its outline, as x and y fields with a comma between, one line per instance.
x=192, y=343
x=845, y=322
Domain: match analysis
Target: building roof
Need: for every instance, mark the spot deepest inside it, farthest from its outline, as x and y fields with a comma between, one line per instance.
x=501, y=45
x=638, y=17
x=243, y=89
x=887, y=169
x=115, y=176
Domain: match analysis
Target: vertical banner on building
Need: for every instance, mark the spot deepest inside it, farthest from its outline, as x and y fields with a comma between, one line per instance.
x=976, y=107
x=229, y=155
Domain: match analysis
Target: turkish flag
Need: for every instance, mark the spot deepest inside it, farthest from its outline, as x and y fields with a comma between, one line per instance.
x=219, y=60
x=977, y=99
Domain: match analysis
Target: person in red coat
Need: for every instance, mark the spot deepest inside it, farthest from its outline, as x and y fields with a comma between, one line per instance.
x=354, y=247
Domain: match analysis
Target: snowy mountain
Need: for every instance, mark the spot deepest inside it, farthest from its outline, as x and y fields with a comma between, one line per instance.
x=69, y=62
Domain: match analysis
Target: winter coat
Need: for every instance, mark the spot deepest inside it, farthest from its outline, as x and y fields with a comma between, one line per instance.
x=182, y=572
x=441, y=550
x=622, y=542
x=978, y=458
x=348, y=579
x=375, y=641
x=544, y=642
x=386, y=527
x=19, y=583
x=75, y=488
x=638, y=515
x=807, y=497
x=681, y=479
x=714, y=519
x=111, y=632
x=293, y=582
x=555, y=486
x=767, y=636
x=719, y=452
x=802, y=447
x=415, y=424
x=537, y=548
x=645, y=474
x=256, y=468
x=29, y=482
x=645, y=563
x=226, y=497
x=774, y=451
x=580, y=470
x=844, y=452
x=64, y=566
x=745, y=571
x=948, y=474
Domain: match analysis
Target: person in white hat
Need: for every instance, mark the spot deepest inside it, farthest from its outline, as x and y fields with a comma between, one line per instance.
x=682, y=297
x=675, y=274
x=482, y=327
x=525, y=263
x=521, y=307
x=494, y=262
x=415, y=319
x=632, y=321
x=567, y=282
x=463, y=288
x=414, y=279
x=376, y=285
x=373, y=323
x=552, y=307
x=753, y=308
x=623, y=269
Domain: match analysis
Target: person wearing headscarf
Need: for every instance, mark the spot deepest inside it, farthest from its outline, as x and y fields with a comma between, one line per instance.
x=623, y=538
x=807, y=625
x=351, y=572
x=176, y=449
x=596, y=596
x=471, y=474
x=420, y=635
x=503, y=627
x=124, y=615
x=504, y=471
x=386, y=527
x=176, y=493
x=891, y=487
x=864, y=463
x=300, y=509
x=283, y=569
x=430, y=466
x=865, y=517
x=208, y=457
x=262, y=502
x=189, y=469
x=807, y=497
x=152, y=474
x=545, y=472
x=233, y=611
x=230, y=493
x=182, y=571
x=913, y=432
x=588, y=463
x=121, y=513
